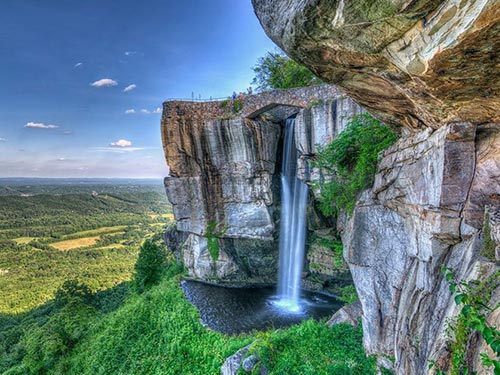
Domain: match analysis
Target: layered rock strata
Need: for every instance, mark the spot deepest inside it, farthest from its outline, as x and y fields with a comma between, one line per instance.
x=224, y=180
x=413, y=63
x=425, y=67
x=418, y=218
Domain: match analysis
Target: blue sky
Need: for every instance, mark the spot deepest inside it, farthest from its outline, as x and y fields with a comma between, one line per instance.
x=65, y=66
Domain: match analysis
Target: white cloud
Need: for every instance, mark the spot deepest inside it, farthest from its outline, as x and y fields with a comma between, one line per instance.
x=105, y=82
x=78, y=64
x=157, y=110
x=129, y=87
x=39, y=125
x=130, y=111
x=116, y=149
x=61, y=159
x=121, y=143
x=67, y=132
x=3, y=139
x=130, y=53
x=145, y=111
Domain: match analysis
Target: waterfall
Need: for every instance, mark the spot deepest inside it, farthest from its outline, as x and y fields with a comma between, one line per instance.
x=293, y=225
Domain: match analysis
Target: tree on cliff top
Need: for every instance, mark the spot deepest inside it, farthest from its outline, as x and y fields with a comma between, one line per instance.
x=277, y=71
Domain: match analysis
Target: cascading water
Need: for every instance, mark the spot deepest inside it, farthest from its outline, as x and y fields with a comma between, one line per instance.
x=293, y=225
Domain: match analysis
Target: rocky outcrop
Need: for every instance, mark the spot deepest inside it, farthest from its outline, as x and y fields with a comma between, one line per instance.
x=224, y=178
x=349, y=314
x=425, y=67
x=413, y=63
x=418, y=218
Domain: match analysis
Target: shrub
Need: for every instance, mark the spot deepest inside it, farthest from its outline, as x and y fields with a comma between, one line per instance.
x=237, y=105
x=474, y=298
x=150, y=265
x=348, y=294
x=352, y=158
x=73, y=290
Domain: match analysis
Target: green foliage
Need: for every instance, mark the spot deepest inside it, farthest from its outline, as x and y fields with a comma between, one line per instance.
x=233, y=105
x=352, y=158
x=316, y=103
x=32, y=269
x=213, y=234
x=44, y=345
x=489, y=245
x=277, y=71
x=474, y=297
x=157, y=332
x=335, y=245
x=237, y=105
x=150, y=265
x=348, y=294
x=72, y=290
x=313, y=348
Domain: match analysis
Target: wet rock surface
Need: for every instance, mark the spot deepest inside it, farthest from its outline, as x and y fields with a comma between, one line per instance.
x=225, y=179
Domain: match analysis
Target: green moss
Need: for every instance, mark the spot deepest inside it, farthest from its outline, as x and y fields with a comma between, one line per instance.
x=314, y=266
x=369, y=10
x=213, y=235
x=316, y=103
x=489, y=245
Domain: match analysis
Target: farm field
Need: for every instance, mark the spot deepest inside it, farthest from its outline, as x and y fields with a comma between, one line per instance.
x=51, y=232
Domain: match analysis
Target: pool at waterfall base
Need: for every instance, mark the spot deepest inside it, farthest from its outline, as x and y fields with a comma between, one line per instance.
x=240, y=310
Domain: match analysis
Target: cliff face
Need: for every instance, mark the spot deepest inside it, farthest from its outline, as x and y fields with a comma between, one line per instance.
x=425, y=67
x=413, y=63
x=224, y=180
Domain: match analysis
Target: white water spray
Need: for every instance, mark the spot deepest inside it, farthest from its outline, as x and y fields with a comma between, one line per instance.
x=293, y=225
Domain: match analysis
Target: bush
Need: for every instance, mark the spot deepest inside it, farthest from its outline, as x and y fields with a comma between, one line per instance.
x=352, y=159
x=150, y=265
x=348, y=294
x=73, y=290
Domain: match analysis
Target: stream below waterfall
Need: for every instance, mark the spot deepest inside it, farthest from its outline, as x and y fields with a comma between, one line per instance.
x=240, y=310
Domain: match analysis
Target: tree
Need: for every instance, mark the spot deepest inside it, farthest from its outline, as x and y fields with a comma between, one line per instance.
x=150, y=265
x=73, y=290
x=277, y=71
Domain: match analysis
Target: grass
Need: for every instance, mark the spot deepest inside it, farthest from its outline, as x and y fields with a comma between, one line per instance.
x=159, y=332
x=23, y=240
x=313, y=348
x=95, y=232
x=76, y=243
